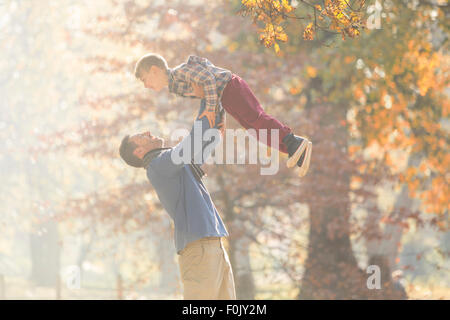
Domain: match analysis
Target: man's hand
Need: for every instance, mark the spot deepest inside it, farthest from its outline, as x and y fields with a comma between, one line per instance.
x=221, y=122
x=197, y=91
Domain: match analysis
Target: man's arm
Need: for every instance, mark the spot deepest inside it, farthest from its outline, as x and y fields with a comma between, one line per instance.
x=191, y=148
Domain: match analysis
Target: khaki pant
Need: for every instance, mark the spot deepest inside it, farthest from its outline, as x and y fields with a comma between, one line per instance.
x=206, y=271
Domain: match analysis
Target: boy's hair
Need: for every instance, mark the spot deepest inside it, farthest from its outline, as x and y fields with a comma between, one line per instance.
x=126, y=150
x=147, y=61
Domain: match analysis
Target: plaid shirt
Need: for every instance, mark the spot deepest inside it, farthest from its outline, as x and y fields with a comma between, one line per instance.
x=203, y=73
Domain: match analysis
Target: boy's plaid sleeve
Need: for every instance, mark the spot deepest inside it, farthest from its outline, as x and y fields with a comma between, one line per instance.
x=200, y=75
x=181, y=88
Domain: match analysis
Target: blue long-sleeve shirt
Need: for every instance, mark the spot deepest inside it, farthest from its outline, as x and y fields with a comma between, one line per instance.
x=184, y=197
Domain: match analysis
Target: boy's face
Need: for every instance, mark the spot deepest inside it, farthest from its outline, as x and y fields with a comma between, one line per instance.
x=155, y=79
x=145, y=142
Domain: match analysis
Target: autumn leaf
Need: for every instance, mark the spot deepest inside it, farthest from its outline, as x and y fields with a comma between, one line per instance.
x=311, y=71
x=276, y=47
x=308, y=33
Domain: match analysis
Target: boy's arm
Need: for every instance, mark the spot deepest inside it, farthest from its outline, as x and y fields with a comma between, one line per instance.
x=182, y=88
x=195, y=72
x=164, y=163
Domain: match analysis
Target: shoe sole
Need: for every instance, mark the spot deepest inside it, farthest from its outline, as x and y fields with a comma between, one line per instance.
x=292, y=161
x=305, y=166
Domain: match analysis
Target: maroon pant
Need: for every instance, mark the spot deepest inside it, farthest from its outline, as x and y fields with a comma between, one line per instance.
x=240, y=102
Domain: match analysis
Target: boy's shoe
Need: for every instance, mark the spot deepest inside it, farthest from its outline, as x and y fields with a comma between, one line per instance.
x=297, y=147
x=305, y=164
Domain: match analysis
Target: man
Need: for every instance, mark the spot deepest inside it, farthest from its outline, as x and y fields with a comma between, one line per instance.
x=204, y=265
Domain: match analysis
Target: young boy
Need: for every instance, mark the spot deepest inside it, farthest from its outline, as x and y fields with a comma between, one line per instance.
x=199, y=78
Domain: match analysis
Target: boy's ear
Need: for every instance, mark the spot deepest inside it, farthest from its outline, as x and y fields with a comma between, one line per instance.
x=153, y=69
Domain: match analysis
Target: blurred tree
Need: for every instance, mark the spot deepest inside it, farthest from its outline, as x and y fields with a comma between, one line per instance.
x=393, y=100
x=26, y=193
x=350, y=100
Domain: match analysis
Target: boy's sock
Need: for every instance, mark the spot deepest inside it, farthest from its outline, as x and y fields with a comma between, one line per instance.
x=293, y=143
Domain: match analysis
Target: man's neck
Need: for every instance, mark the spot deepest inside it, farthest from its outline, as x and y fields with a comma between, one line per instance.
x=150, y=155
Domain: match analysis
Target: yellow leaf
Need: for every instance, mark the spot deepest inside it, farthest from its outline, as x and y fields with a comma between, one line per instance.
x=276, y=47
x=353, y=149
x=348, y=59
x=294, y=91
x=311, y=72
x=286, y=6
x=282, y=37
x=308, y=33
x=232, y=46
x=249, y=3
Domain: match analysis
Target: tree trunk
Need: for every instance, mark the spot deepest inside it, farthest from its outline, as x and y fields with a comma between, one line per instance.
x=45, y=255
x=238, y=250
x=119, y=286
x=2, y=287
x=44, y=240
x=240, y=261
x=85, y=247
x=168, y=281
x=331, y=270
x=393, y=232
x=386, y=247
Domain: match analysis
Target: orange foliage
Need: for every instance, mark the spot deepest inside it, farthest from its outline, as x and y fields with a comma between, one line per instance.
x=340, y=16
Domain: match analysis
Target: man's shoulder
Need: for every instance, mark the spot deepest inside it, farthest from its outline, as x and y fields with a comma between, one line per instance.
x=157, y=160
x=160, y=156
x=163, y=164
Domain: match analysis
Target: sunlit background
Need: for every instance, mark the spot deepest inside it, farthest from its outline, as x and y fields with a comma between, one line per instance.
x=77, y=223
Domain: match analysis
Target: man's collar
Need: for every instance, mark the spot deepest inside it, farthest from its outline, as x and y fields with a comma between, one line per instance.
x=170, y=79
x=152, y=154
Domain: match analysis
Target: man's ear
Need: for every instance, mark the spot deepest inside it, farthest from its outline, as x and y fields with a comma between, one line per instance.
x=139, y=152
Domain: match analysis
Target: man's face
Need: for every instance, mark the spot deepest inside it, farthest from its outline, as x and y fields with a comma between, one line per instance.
x=154, y=79
x=145, y=142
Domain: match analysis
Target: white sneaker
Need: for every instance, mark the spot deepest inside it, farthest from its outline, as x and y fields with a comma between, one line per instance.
x=292, y=161
x=305, y=165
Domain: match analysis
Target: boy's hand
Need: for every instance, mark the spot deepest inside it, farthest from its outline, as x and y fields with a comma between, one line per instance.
x=197, y=91
x=210, y=115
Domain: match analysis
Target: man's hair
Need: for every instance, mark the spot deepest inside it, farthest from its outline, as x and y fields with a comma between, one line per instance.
x=126, y=150
x=147, y=61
